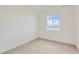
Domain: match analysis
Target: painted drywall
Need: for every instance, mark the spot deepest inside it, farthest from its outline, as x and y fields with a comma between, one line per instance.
x=17, y=26
x=77, y=26
x=66, y=34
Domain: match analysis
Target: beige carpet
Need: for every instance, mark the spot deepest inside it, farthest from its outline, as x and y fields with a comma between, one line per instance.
x=42, y=46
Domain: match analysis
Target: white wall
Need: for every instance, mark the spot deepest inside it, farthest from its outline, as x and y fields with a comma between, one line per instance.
x=67, y=26
x=17, y=26
x=77, y=26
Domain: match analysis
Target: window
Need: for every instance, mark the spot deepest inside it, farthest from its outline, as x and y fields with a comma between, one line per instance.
x=53, y=22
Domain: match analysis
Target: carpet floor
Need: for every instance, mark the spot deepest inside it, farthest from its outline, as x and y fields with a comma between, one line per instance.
x=43, y=46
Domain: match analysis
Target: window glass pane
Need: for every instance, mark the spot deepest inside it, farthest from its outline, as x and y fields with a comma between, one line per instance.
x=53, y=22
